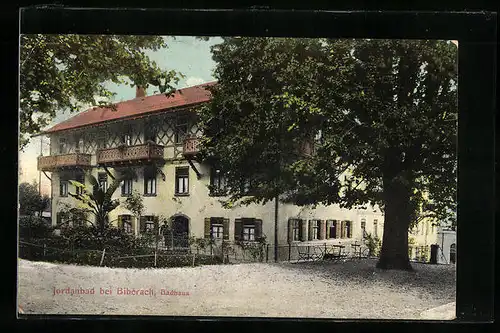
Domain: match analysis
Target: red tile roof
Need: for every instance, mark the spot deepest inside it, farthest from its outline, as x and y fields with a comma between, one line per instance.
x=137, y=107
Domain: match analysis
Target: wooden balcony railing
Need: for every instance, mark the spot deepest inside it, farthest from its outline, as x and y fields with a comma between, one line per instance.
x=130, y=154
x=190, y=147
x=54, y=162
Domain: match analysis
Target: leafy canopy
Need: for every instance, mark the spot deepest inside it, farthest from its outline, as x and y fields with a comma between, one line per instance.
x=30, y=200
x=373, y=108
x=66, y=72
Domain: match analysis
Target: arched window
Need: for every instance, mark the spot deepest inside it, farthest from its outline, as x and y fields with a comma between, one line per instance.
x=453, y=253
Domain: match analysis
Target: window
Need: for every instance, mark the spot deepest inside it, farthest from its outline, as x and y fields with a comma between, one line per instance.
x=103, y=181
x=347, y=229
x=247, y=229
x=149, y=224
x=331, y=228
x=63, y=147
x=363, y=228
x=101, y=141
x=127, y=139
x=126, y=221
x=295, y=229
x=181, y=130
x=127, y=187
x=314, y=229
x=149, y=181
x=375, y=228
x=79, y=177
x=217, y=227
x=63, y=188
x=249, y=233
x=182, y=181
x=218, y=182
x=149, y=133
x=79, y=145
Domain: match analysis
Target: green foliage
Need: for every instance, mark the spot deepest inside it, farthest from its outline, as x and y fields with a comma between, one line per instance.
x=99, y=201
x=384, y=110
x=30, y=200
x=135, y=203
x=200, y=244
x=33, y=227
x=66, y=72
x=374, y=245
x=256, y=248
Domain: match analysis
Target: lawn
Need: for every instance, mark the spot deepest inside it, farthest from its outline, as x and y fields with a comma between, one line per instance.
x=353, y=289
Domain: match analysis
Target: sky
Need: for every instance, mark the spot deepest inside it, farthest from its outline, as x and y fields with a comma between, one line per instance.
x=184, y=54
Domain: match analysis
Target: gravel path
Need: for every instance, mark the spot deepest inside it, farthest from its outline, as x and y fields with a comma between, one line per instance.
x=353, y=289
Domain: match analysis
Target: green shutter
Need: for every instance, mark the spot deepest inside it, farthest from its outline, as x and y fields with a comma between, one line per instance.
x=322, y=229
x=142, y=224
x=225, y=224
x=238, y=229
x=258, y=228
x=303, y=230
x=310, y=224
x=207, y=227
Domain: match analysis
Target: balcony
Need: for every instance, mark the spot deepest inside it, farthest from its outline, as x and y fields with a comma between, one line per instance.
x=190, y=147
x=55, y=162
x=138, y=154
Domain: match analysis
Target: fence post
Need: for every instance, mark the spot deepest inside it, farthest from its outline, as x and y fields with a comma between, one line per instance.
x=222, y=251
x=194, y=256
x=155, y=257
x=267, y=253
x=289, y=251
x=44, y=252
x=102, y=257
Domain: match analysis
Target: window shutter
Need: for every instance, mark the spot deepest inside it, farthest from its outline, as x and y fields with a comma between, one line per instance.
x=238, y=229
x=258, y=228
x=303, y=237
x=207, y=227
x=290, y=230
x=322, y=229
x=225, y=224
x=338, y=229
x=120, y=222
x=310, y=224
x=351, y=226
x=328, y=226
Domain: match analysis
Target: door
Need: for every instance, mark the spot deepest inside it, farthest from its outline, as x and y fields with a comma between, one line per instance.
x=180, y=230
x=434, y=253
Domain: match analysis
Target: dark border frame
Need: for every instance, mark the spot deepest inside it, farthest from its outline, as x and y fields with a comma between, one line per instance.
x=476, y=33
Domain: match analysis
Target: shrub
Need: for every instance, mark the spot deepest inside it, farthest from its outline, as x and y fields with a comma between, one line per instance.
x=374, y=245
x=34, y=227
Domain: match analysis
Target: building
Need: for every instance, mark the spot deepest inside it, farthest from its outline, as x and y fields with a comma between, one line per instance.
x=157, y=137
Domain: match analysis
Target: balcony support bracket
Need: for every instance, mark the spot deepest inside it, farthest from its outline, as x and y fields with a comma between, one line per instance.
x=160, y=171
x=47, y=176
x=109, y=173
x=198, y=174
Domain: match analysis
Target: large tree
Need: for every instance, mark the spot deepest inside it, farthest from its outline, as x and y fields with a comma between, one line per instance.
x=66, y=72
x=380, y=114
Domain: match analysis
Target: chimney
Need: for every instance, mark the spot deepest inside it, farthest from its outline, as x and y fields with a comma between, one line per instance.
x=140, y=92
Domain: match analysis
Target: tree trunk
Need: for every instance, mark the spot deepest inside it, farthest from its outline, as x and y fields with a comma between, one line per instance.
x=394, y=252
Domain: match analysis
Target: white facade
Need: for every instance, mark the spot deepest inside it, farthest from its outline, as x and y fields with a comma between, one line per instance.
x=197, y=205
